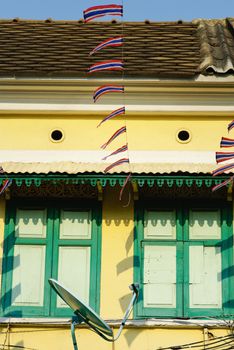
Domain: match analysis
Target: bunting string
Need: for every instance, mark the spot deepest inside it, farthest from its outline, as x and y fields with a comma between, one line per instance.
x=117, y=163
x=105, y=89
x=102, y=10
x=113, y=114
x=112, y=42
x=230, y=126
x=222, y=169
x=116, y=134
x=110, y=65
x=226, y=142
x=223, y=157
x=123, y=188
x=222, y=184
x=6, y=182
x=106, y=65
x=119, y=150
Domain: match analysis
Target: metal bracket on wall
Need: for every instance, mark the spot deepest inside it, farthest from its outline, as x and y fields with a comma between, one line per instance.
x=7, y=194
x=229, y=192
x=100, y=191
x=135, y=190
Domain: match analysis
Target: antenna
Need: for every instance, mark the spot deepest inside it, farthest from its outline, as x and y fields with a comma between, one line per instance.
x=87, y=315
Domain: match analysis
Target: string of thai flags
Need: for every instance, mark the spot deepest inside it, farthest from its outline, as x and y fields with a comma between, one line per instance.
x=223, y=157
x=6, y=182
x=91, y=14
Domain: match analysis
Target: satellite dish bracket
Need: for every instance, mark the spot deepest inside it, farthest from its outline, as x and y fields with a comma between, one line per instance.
x=102, y=329
x=75, y=321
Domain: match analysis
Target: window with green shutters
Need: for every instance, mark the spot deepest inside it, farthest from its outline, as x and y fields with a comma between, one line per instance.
x=184, y=260
x=43, y=240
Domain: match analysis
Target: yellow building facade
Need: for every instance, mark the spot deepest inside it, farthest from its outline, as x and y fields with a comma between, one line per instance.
x=62, y=216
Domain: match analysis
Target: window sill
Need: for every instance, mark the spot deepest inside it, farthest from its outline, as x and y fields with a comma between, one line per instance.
x=141, y=323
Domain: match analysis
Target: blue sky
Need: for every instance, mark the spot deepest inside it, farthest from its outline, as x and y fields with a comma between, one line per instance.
x=134, y=10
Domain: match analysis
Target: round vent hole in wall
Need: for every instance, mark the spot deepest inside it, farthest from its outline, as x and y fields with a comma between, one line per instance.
x=56, y=135
x=183, y=136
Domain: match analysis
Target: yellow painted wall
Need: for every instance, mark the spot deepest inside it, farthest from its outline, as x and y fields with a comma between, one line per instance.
x=117, y=255
x=158, y=132
x=144, y=132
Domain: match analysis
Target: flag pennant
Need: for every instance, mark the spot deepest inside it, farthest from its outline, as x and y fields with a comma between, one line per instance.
x=5, y=185
x=222, y=184
x=116, y=134
x=106, y=65
x=124, y=185
x=231, y=125
x=226, y=142
x=222, y=169
x=102, y=90
x=113, y=114
x=112, y=42
x=223, y=156
x=102, y=10
x=119, y=150
x=117, y=163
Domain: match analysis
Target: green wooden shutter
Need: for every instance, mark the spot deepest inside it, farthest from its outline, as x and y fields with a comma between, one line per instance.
x=159, y=276
x=205, y=282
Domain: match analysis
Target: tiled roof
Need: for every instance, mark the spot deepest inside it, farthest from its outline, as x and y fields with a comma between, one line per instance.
x=165, y=49
x=216, y=45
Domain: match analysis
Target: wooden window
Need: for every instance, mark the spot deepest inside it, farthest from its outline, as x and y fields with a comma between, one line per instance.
x=59, y=241
x=184, y=260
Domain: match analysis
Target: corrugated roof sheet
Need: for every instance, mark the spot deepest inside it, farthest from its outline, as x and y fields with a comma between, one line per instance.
x=59, y=48
x=217, y=46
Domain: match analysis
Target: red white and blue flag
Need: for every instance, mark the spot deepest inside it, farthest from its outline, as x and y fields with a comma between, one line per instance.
x=106, y=65
x=119, y=150
x=231, y=125
x=223, y=156
x=116, y=134
x=226, y=142
x=112, y=42
x=104, y=89
x=6, y=183
x=113, y=114
x=222, y=169
x=117, y=163
x=102, y=10
x=224, y=183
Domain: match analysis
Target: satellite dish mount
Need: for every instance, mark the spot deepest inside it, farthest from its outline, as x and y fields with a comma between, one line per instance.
x=84, y=313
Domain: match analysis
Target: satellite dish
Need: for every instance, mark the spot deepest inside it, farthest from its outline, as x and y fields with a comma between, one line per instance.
x=88, y=315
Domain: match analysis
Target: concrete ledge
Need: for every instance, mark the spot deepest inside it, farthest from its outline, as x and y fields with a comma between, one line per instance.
x=143, y=323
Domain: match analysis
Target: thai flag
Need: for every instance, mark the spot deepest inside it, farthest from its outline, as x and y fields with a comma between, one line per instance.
x=113, y=42
x=224, y=183
x=225, y=142
x=223, y=156
x=102, y=10
x=231, y=125
x=104, y=89
x=106, y=65
x=124, y=185
x=115, y=113
x=222, y=169
x=116, y=134
x=117, y=163
x=119, y=150
x=5, y=185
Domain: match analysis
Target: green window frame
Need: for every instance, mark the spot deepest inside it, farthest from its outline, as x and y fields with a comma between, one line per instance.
x=46, y=250
x=181, y=247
